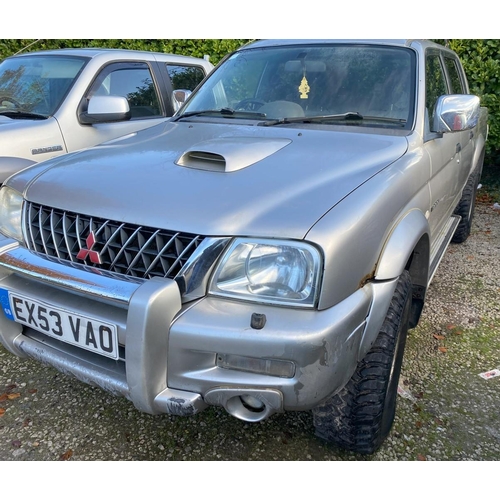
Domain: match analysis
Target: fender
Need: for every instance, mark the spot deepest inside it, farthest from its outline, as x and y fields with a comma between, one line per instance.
x=480, y=143
x=411, y=231
x=478, y=159
x=407, y=247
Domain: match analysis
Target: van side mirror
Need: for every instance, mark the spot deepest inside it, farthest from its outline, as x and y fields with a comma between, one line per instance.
x=455, y=113
x=179, y=97
x=106, y=109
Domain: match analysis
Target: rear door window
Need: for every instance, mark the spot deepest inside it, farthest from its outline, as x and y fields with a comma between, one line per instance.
x=457, y=86
x=185, y=77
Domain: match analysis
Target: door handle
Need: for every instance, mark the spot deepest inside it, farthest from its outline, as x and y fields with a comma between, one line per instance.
x=459, y=148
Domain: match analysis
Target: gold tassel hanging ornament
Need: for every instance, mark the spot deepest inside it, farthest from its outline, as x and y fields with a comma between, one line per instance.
x=304, y=88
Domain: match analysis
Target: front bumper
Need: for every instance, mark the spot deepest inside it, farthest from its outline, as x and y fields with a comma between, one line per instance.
x=178, y=358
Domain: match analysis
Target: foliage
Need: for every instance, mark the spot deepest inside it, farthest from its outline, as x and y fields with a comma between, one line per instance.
x=216, y=49
x=480, y=57
x=490, y=185
x=481, y=61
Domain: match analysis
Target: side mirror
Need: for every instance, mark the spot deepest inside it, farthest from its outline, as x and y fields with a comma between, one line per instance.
x=106, y=109
x=455, y=113
x=179, y=97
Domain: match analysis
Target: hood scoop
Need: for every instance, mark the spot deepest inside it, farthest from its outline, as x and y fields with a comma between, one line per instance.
x=230, y=154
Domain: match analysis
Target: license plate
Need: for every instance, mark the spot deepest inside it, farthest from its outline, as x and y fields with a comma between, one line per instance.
x=82, y=331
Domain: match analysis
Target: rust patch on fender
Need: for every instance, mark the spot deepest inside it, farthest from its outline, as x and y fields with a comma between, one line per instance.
x=367, y=278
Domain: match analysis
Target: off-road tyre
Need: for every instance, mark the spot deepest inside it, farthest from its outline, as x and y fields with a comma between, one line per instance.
x=360, y=416
x=465, y=209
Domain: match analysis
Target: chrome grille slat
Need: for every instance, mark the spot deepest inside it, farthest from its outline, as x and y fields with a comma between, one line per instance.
x=28, y=225
x=77, y=231
x=53, y=233
x=126, y=249
x=113, y=237
x=181, y=256
x=158, y=257
x=40, y=225
x=66, y=241
x=140, y=254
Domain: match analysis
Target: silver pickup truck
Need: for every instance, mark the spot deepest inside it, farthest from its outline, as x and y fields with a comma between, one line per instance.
x=266, y=249
x=58, y=101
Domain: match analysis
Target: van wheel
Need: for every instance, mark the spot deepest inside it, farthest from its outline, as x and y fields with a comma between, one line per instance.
x=360, y=416
x=465, y=209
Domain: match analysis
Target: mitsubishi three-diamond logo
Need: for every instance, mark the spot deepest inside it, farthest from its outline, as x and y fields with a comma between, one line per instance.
x=88, y=252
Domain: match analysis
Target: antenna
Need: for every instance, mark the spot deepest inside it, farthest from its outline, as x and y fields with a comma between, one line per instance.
x=27, y=46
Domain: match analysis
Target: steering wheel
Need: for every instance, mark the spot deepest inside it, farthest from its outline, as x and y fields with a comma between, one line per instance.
x=5, y=98
x=250, y=104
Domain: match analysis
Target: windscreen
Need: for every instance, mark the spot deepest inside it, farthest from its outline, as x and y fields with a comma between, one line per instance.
x=316, y=80
x=36, y=84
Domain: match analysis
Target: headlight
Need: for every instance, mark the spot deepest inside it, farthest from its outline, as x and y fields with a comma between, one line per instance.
x=11, y=205
x=272, y=271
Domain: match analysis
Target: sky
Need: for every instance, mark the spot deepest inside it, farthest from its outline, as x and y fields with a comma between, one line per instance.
x=253, y=19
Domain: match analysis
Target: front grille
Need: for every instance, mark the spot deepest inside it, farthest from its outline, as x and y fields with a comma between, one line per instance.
x=118, y=247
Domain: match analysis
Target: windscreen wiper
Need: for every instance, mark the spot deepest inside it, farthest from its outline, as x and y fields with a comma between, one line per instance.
x=313, y=119
x=11, y=113
x=349, y=116
x=222, y=111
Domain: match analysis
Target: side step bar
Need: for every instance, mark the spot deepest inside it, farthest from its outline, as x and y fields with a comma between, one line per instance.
x=442, y=242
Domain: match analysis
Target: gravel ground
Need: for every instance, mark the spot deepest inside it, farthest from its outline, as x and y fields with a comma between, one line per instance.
x=446, y=410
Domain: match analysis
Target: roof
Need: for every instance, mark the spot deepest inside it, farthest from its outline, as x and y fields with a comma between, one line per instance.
x=285, y=42
x=113, y=54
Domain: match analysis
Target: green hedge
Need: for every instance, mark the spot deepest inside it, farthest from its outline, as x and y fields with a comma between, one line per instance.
x=216, y=49
x=481, y=59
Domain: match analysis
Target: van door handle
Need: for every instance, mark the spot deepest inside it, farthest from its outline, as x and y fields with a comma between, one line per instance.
x=459, y=148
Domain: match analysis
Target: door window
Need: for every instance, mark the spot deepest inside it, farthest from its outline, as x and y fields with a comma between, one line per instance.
x=457, y=86
x=435, y=84
x=185, y=77
x=134, y=82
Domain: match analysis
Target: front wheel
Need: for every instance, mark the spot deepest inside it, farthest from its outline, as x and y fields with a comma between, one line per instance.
x=360, y=416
